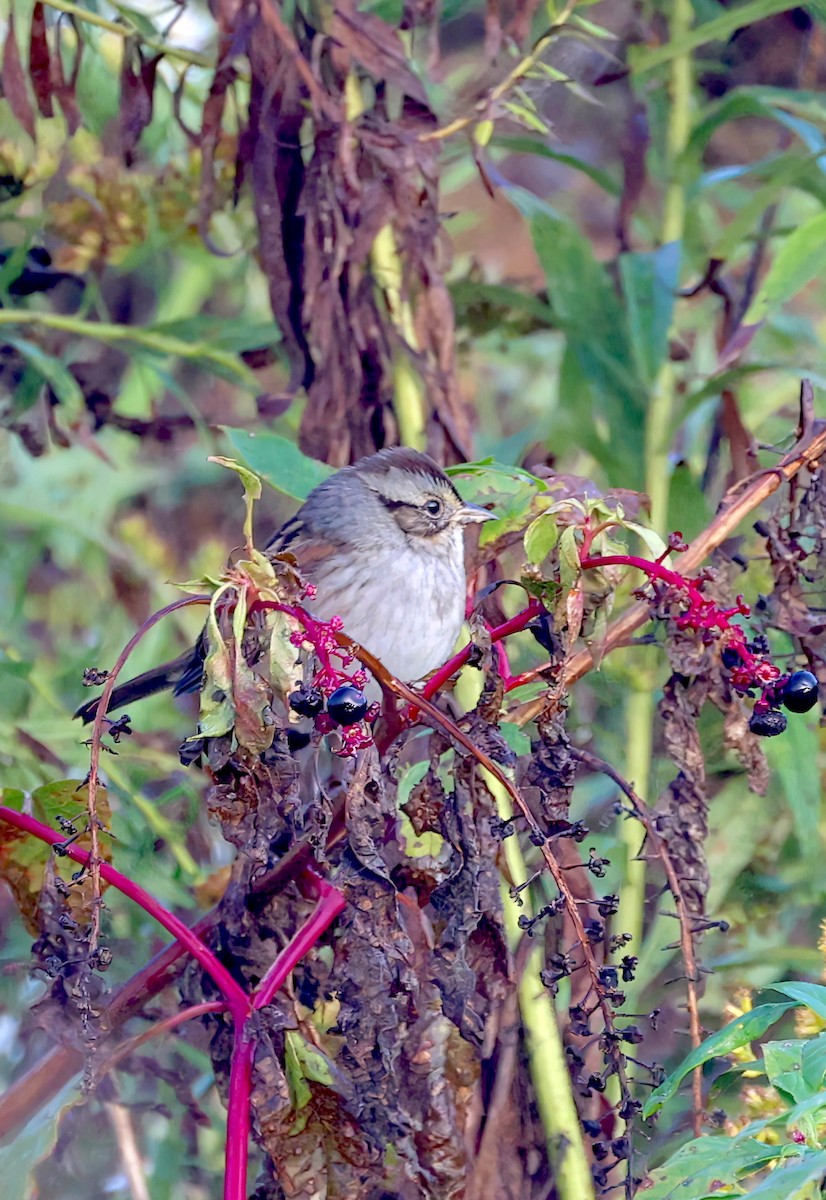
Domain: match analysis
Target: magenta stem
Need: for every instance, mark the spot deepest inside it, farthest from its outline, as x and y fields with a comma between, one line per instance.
x=233, y=993
x=652, y=569
x=514, y=625
x=238, y=1113
x=330, y=903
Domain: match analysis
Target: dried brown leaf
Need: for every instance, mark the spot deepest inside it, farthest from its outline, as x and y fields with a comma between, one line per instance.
x=14, y=84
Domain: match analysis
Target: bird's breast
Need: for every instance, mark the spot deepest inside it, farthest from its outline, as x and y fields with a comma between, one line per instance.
x=406, y=608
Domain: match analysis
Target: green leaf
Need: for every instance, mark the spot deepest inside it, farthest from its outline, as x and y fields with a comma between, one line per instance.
x=529, y=145
x=652, y=541
x=791, y=1180
x=599, y=359
x=51, y=369
x=814, y=1065
x=739, y=1032
x=650, y=281
x=516, y=737
x=235, y=335
x=569, y=561
x=783, y=1062
x=813, y=995
x=798, y=772
x=252, y=492
x=279, y=461
x=304, y=1062
x=540, y=538
x=700, y=1166
x=800, y=259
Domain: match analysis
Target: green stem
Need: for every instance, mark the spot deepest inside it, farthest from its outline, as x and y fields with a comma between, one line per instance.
x=659, y=424
x=150, y=339
x=639, y=737
x=124, y=28
x=408, y=388
x=546, y=1053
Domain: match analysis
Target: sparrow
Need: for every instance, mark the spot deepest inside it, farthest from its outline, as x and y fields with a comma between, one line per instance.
x=382, y=542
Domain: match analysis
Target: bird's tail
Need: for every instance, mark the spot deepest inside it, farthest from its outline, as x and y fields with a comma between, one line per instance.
x=181, y=675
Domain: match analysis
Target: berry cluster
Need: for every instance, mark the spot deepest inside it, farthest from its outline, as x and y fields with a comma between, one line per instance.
x=334, y=699
x=749, y=664
x=750, y=669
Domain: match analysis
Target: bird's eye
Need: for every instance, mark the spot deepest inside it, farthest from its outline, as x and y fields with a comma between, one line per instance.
x=434, y=507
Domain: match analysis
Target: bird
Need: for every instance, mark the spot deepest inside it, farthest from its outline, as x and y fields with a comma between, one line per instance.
x=382, y=544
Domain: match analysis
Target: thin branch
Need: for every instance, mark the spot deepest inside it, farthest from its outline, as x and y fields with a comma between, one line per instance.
x=330, y=904
x=124, y=28
x=692, y=972
x=96, y=738
x=489, y=101
x=150, y=339
x=124, y=1049
x=736, y=505
x=230, y=989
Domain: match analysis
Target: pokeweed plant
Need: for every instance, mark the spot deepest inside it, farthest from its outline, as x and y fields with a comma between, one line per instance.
x=328, y=117
x=354, y=899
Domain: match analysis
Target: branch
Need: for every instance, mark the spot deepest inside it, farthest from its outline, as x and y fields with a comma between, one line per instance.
x=736, y=505
x=124, y=28
x=230, y=989
x=593, y=763
x=94, y=862
x=150, y=339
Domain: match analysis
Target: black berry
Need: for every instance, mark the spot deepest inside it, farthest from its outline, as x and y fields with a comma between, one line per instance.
x=347, y=705
x=799, y=692
x=731, y=658
x=768, y=723
x=307, y=702
x=297, y=740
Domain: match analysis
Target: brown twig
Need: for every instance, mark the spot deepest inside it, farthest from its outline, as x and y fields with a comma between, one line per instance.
x=96, y=739
x=739, y=501
x=598, y=765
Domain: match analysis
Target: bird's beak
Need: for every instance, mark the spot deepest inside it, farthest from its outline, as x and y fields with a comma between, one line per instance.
x=471, y=514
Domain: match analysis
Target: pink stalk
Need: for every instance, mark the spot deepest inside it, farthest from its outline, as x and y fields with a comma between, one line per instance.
x=330, y=903
x=653, y=570
x=238, y=1112
x=514, y=625
x=233, y=993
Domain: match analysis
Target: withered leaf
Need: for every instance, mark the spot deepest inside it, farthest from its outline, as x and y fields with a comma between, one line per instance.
x=136, y=97
x=15, y=85
x=40, y=61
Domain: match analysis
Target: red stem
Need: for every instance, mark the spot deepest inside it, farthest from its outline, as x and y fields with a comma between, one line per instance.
x=232, y=991
x=514, y=625
x=238, y=1112
x=330, y=903
x=652, y=569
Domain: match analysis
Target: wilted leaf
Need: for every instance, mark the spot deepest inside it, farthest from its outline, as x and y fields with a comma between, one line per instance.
x=40, y=61
x=15, y=84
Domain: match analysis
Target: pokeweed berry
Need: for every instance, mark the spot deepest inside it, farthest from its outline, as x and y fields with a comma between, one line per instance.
x=347, y=705
x=799, y=693
x=767, y=722
x=307, y=702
